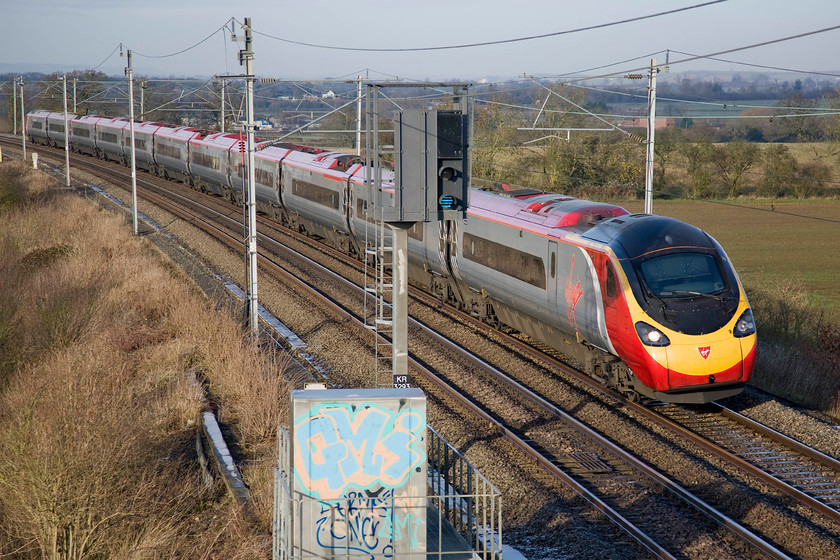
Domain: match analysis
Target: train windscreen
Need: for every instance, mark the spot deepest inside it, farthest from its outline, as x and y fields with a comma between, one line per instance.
x=677, y=274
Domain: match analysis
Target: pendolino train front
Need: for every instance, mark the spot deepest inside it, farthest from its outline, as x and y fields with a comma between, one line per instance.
x=675, y=310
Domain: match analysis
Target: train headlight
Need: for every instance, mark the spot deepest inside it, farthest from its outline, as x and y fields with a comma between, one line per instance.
x=651, y=336
x=745, y=325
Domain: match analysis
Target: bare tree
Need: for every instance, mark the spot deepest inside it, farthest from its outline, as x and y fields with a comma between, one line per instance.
x=732, y=160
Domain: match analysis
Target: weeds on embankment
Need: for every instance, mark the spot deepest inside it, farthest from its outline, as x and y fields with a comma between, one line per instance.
x=97, y=415
x=799, y=347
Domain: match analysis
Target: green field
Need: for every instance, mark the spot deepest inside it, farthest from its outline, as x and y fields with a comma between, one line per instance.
x=772, y=242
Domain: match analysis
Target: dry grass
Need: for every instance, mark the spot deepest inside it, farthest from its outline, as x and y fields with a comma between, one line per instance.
x=97, y=416
x=799, y=349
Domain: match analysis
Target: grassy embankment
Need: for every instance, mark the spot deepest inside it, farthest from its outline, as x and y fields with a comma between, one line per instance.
x=97, y=416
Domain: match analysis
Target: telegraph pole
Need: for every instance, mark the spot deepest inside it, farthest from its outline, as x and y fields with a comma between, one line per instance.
x=142, y=100
x=359, y=115
x=129, y=73
x=66, y=137
x=222, y=110
x=74, y=96
x=14, y=103
x=22, y=120
x=651, y=133
x=246, y=57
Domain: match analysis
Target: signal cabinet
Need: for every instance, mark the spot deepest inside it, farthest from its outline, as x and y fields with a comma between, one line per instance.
x=431, y=174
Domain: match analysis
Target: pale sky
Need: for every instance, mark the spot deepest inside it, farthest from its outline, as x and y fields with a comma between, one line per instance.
x=65, y=35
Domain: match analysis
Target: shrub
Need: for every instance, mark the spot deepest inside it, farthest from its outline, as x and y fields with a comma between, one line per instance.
x=799, y=350
x=779, y=169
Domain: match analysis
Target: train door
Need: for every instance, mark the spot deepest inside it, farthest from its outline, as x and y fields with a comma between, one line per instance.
x=617, y=322
x=349, y=201
x=448, y=253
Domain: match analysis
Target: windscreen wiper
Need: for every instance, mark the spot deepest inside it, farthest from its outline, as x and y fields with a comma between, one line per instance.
x=692, y=293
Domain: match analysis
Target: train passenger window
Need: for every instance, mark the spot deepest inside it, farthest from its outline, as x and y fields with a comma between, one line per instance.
x=362, y=211
x=611, y=282
x=506, y=260
x=315, y=193
x=206, y=160
x=168, y=151
x=264, y=177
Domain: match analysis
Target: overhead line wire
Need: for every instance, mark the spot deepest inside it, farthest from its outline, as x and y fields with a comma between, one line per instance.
x=833, y=75
x=698, y=57
x=497, y=42
x=95, y=68
x=186, y=49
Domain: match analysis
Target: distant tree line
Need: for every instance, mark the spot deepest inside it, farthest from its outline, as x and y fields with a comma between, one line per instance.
x=694, y=158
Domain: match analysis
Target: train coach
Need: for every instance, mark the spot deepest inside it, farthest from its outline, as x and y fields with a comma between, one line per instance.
x=46, y=127
x=648, y=305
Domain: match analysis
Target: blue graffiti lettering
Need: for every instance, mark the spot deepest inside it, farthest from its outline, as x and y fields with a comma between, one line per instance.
x=339, y=447
x=361, y=441
x=358, y=523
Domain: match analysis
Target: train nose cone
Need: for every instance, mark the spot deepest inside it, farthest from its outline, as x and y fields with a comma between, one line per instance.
x=712, y=361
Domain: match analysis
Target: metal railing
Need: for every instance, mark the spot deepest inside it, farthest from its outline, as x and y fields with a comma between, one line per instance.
x=465, y=499
x=461, y=515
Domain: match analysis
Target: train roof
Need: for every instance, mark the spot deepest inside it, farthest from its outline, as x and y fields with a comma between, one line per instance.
x=328, y=163
x=118, y=122
x=89, y=119
x=184, y=133
x=147, y=127
x=223, y=140
x=546, y=210
x=41, y=113
x=272, y=153
x=643, y=234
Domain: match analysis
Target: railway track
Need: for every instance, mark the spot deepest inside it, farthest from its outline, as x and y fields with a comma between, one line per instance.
x=573, y=469
x=578, y=460
x=799, y=471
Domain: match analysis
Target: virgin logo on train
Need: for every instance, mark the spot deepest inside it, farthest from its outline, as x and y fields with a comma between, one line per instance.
x=573, y=294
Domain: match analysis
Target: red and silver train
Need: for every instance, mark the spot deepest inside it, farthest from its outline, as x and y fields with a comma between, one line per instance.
x=648, y=305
